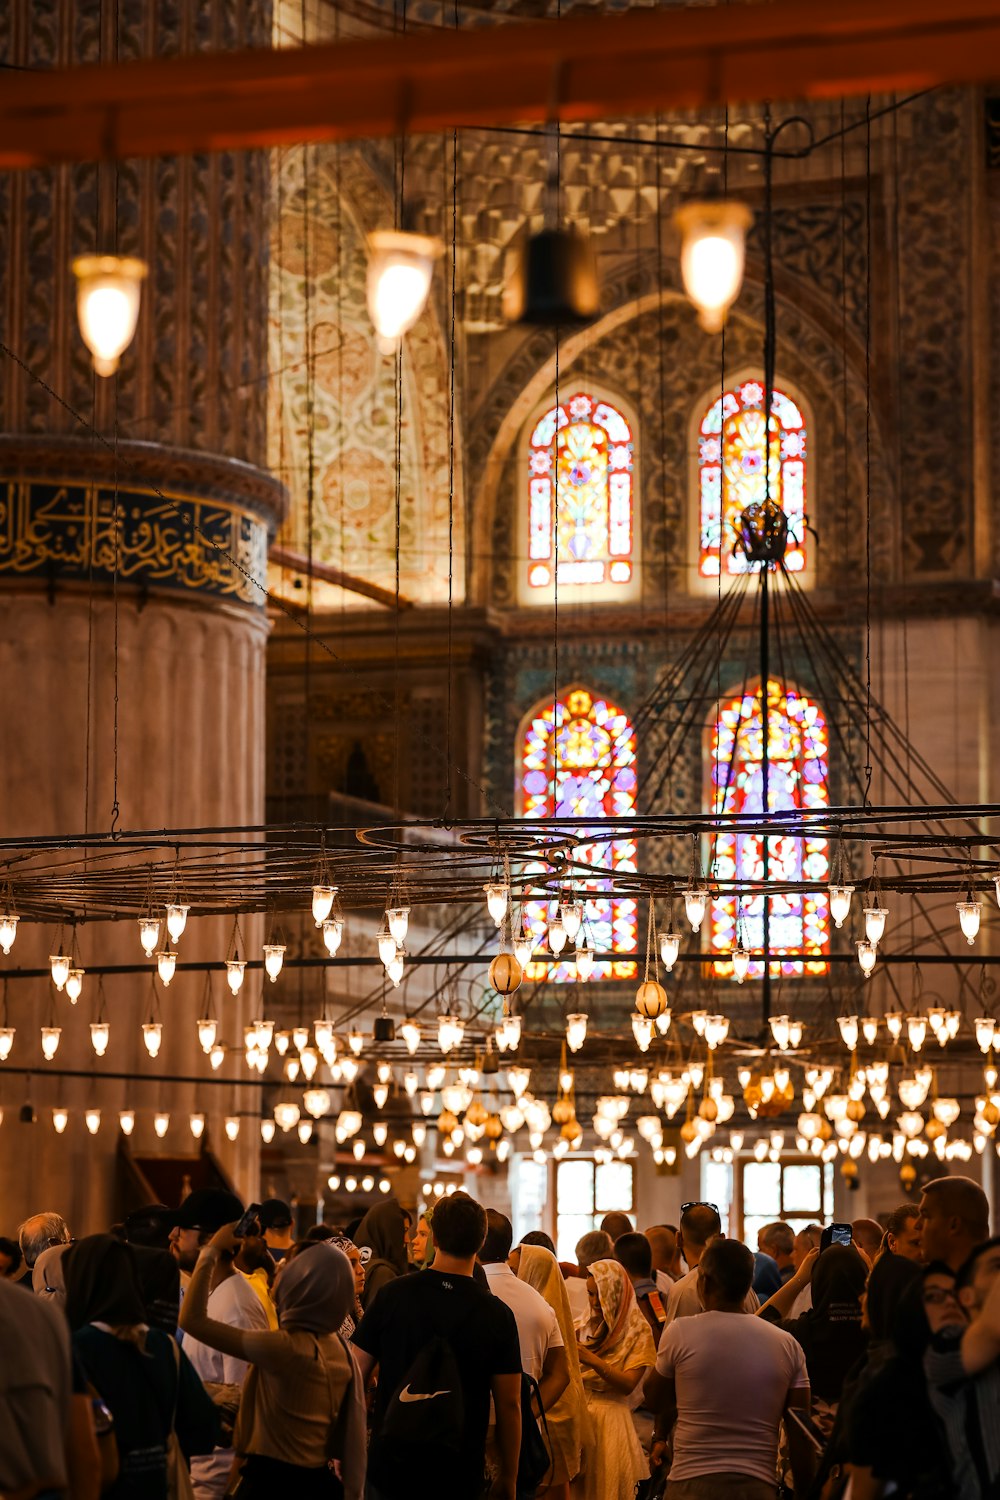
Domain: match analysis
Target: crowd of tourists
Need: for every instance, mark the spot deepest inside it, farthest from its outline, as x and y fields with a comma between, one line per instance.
x=204, y=1352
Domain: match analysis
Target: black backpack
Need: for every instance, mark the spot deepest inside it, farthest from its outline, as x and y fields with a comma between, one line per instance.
x=534, y=1460
x=424, y=1423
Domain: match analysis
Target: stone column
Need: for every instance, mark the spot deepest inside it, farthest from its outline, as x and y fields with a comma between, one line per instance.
x=135, y=515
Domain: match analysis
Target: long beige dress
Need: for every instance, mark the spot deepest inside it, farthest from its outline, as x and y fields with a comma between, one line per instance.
x=613, y=1462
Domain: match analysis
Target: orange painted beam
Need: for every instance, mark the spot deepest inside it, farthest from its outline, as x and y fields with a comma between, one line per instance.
x=582, y=68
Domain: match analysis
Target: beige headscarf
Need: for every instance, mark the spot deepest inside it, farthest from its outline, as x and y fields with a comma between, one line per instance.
x=569, y=1420
x=621, y=1336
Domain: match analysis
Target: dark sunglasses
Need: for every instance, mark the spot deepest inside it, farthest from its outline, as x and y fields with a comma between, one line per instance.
x=701, y=1203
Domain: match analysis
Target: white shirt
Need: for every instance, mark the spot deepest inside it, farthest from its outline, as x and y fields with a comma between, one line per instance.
x=732, y=1376
x=665, y=1283
x=683, y=1300
x=537, y=1326
x=235, y=1302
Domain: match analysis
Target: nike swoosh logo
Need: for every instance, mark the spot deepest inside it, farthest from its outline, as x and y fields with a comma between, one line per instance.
x=407, y=1395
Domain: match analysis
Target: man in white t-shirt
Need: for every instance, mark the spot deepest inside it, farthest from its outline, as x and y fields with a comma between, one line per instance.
x=700, y=1223
x=723, y=1381
x=543, y=1353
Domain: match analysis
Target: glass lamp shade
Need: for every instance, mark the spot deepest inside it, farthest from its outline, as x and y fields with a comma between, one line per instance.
x=840, y=903
x=985, y=1032
x=8, y=930
x=286, y=1115
x=946, y=1110
x=217, y=1056
x=92, y=1117
x=505, y=974
x=208, y=1029
x=322, y=902
x=274, y=957
x=166, y=964
x=875, y=923
x=518, y=1078
x=969, y=913
x=395, y=967
x=100, y=1036
x=741, y=964
x=410, y=1032
x=126, y=1119
x=74, y=985
x=713, y=240
x=398, y=923
x=317, y=1102
x=197, y=1124
x=152, y=1035
x=695, y=906
x=497, y=899
x=59, y=966
x=231, y=1125
x=161, y=1123
x=916, y=1031
x=670, y=947
x=400, y=267
x=524, y=947
x=642, y=1029
x=867, y=956
x=572, y=919
x=869, y=1029
x=149, y=934
x=849, y=1031
x=235, y=970
x=333, y=932
x=60, y=1119
x=50, y=1041
x=323, y=1033
x=108, y=289
x=6, y=1041
x=177, y=916
x=576, y=1031
x=267, y=1128
x=584, y=961
x=557, y=935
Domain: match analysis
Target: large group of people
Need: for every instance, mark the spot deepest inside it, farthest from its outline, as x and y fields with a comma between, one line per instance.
x=202, y=1353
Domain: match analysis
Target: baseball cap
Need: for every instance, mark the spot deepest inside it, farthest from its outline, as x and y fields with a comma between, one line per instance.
x=275, y=1214
x=207, y=1208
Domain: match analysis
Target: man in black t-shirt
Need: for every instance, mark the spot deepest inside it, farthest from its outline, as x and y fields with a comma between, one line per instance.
x=444, y=1302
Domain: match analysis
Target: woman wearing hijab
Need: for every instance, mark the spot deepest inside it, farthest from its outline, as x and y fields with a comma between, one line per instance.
x=353, y=1254
x=568, y=1421
x=302, y=1401
x=138, y=1371
x=830, y=1331
x=382, y=1233
x=615, y=1353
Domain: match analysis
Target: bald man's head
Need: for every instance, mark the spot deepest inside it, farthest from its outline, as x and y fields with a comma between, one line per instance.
x=663, y=1243
x=699, y=1224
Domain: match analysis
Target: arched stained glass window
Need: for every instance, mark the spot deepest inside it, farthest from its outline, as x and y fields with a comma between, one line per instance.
x=731, y=474
x=576, y=758
x=581, y=472
x=798, y=755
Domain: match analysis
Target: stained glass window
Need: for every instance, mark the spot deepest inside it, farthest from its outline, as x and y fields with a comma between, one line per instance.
x=798, y=756
x=586, y=769
x=580, y=471
x=732, y=473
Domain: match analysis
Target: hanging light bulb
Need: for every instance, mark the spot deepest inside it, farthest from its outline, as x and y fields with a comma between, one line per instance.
x=50, y=1041
x=305, y=1131
x=398, y=922
x=152, y=1035
x=576, y=1031
x=916, y=1031
x=380, y=1131
x=108, y=289
x=695, y=906
x=741, y=963
x=524, y=947
x=400, y=267
x=323, y=1033
x=177, y=916
x=713, y=238
x=161, y=1123
x=274, y=957
x=217, y=1056
x=126, y=1119
x=642, y=1029
x=100, y=1036
x=518, y=1078
x=875, y=922
x=985, y=1032
x=333, y=932
x=208, y=1029
x=265, y=1033
x=867, y=956
x=572, y=919
x=8, y=930
x=869, y=1029
x=584, y=960
x=355, y=1040
x=410, y=1083
x=59, y=964
x=60, y=1119
x=436, y=1075
x=92, y=1117
x=410, y=1032
x=349, y=1067
x=231, y=1125
x=894, y=1024
x=557, y=936
x=74, y=985
x=395, y=967
x=197, y=1124
x=849, y=1030
x=969, y=912
x=166, y=964
x=310, y=1062
x=670, y=947
x=716, y=1030
x=780, y=1031
x=840, y=903
x=267, y=1129
x=497, y=899
x=282, y=1042
x=235, y=969
x=286, y=1115
x=149, y=934
x=322, y=902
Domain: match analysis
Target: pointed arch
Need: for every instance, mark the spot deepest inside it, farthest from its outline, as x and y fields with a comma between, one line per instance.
x=576, y=757
x=799, y=768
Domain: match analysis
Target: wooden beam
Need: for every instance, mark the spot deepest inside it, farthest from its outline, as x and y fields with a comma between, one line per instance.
x=582, y=68
x=298, y=562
